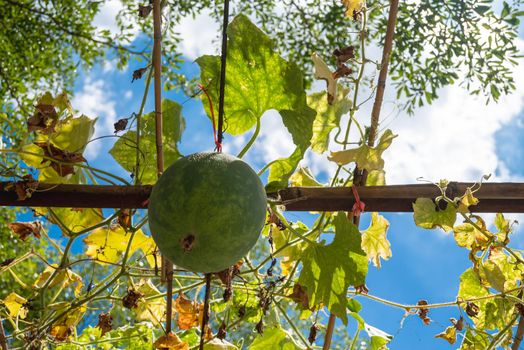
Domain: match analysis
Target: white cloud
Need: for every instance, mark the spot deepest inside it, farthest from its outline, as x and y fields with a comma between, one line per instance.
x=198, y=35
x=95, y=102
x=106, y=17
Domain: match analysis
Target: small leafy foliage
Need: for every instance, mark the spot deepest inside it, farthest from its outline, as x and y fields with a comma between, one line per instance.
x=428, y=215
x=124, y=151
x=374, y=240
x=328, y=270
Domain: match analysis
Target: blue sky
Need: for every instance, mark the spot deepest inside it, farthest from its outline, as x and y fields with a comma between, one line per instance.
x=459, y=138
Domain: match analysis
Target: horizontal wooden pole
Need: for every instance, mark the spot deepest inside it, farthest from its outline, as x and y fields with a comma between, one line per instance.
x=494, y=197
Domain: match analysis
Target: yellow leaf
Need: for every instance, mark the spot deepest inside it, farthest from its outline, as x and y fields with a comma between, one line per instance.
x=467, y=200
x=170, y=341
x=218, y=344
x=450, y=334
x=72, y=219
x=15, y=304
x=322, y=72
x=152, y=310
x=63, y=327
x=369, y=158
x=374, y=240
x=352, y=6
x=108, y=244
x=303, y=177
x=468, y=236
x=64, y=277
x=189, y=312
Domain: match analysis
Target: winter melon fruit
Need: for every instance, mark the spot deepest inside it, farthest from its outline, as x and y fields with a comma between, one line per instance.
x=207, y=211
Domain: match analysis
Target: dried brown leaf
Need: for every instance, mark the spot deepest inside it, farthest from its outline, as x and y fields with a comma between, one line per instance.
x=26, y=229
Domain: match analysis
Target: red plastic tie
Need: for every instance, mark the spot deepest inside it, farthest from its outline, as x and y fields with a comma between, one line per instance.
x=218, y=145
x=359, y=206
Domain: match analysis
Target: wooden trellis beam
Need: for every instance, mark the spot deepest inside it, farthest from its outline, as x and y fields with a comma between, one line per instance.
x=494, y=197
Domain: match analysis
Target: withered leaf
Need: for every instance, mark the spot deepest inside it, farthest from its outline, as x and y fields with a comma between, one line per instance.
x=64, y=159
x=124, y=218
x=260, y=326
x=312, y=333
x=44, y=119
x=189, y=313
x=23, y=189
x=170, y=341
x=105, y=323
x=342, y=71
x=423, y=312
x=299, y=296
x=120, y=125
x=362, y=289
x=7, y=262
x=144, y=10
x=344, y=54
x=459, y=325
x=26, y=229
x=130, y=300
x=137, y=74
x=222, y=331
x=472, y=309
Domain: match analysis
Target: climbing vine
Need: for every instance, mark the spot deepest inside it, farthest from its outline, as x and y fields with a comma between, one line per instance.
x=98, y=284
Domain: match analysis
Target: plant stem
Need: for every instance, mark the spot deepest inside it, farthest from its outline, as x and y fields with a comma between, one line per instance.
x=251, y=140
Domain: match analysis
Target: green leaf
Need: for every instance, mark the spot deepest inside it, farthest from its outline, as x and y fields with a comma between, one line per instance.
x=124, y=150
x=217, y=344
x=258, y=79
x=281, y=170
x=303, y=177
x=328, y=270
x=327, y=118
x=474, y=340
x=379, y=338
x=374, y=240
x=369, y=158
x=494, y=313
x=428, y=216
x=274, y=338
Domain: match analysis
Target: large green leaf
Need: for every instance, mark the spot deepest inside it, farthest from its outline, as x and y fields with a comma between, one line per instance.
x=329, y=270
x=124, y=150
x=274, y=338
x=258, y=79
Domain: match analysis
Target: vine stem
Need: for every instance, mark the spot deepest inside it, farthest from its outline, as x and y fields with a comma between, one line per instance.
x=251, y=140
x=205, y=317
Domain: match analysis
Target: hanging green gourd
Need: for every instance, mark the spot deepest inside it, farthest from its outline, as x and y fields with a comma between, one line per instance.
x=207, y=209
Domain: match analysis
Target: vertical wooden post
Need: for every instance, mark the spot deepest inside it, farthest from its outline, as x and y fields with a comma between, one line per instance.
x=359, y=176
x=167, y=266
